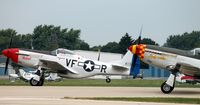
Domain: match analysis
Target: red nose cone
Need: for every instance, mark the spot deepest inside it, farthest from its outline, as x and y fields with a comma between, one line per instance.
x=5, y=52
x=130, y=48
x=11, y=53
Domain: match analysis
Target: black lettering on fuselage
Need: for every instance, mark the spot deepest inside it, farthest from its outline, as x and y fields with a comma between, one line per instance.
x=103, y=68
x=68, y=61
x=73, y=62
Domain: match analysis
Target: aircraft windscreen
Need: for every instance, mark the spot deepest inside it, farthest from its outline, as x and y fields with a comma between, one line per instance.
x=196, y=51
x=64, y=51
x=53, y=52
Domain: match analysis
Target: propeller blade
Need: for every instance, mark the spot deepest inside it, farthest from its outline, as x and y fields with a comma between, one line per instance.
x=99, y=55
x=7, y=60
x=6, y=67
x=136, y=56
x=139, y=39
x=10, y=41
x=134, y=62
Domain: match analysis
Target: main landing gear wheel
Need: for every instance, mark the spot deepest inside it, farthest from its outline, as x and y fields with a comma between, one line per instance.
x=165, y=88
x=108, y=80
x=34, y=82
x=37, y=83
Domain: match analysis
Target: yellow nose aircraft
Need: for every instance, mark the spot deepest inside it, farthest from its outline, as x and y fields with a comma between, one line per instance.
x=174, y=60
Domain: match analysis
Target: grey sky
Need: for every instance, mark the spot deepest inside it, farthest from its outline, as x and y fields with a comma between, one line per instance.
x=102, y=21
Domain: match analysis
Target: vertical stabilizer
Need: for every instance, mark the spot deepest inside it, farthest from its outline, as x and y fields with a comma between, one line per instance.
x=128, y=60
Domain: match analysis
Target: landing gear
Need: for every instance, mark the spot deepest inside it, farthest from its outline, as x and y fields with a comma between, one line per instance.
x=168, y=86
x=41, y=82
x=34, y=82
x=165, y=88
x=108, y=80
x=38, y=80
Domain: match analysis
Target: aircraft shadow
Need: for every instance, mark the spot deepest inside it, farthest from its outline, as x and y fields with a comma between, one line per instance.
x=185, y=92
x=181, y=92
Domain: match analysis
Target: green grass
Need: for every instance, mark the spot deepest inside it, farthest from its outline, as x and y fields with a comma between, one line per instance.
x=145, y=99
x=101, y=82
x=5, y=82
x=98, y=82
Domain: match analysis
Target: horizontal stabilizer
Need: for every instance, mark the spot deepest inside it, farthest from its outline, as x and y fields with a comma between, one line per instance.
x=119, y=67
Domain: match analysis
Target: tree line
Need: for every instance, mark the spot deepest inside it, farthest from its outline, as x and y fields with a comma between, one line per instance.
x=185, y=41
x=50, y=37
x=44, y=37
x=122, y=45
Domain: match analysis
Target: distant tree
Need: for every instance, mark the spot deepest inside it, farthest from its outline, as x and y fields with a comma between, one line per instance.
x=148, y=41
x=45, y=37
x=22, y=41
x=5, y=36
x=111, y=47
x=124, y=43
x=95, y=48
x=50, y=37
x=82, y=45
x=19, y=40
x=186, y=41
x=26, y=41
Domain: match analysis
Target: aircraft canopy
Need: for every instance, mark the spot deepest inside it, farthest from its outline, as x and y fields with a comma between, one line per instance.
x=62, y=52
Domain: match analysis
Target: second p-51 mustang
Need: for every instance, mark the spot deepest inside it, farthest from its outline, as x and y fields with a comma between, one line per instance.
x=176, y=61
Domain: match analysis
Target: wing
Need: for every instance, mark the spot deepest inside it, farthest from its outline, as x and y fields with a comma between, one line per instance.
x=54, y=65
x=188, y=69
x=119, y=67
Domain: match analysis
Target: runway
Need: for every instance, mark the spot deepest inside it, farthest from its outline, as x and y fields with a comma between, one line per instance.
x=49, y=95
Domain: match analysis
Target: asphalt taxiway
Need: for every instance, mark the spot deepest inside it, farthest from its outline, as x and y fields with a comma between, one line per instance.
x=50, y=95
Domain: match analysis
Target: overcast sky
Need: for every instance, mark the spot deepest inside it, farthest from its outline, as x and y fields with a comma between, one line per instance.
x=102, y=21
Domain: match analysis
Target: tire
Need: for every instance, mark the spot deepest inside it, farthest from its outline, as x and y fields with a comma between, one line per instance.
x=34, y=82
x=108, y=80
x=165, y=88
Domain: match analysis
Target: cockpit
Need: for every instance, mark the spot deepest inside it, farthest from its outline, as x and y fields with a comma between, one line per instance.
x=62, y=51
x=196, y=51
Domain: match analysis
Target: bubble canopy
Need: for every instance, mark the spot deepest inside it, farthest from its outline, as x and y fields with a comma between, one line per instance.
x=62, y=52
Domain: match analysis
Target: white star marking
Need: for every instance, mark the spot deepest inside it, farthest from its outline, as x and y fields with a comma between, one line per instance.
x=88, y=66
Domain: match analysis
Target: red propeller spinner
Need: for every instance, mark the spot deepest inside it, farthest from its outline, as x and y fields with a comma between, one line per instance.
x=11, y=53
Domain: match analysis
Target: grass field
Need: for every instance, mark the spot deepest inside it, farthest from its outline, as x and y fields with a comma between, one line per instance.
x=98, y=82
x=145, y=99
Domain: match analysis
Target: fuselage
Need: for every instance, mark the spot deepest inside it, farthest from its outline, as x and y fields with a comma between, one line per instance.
x=83, y=67
x=163, y=57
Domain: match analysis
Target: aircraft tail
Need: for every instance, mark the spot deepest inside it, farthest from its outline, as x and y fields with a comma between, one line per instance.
x=128, y=60
x=133, y=56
